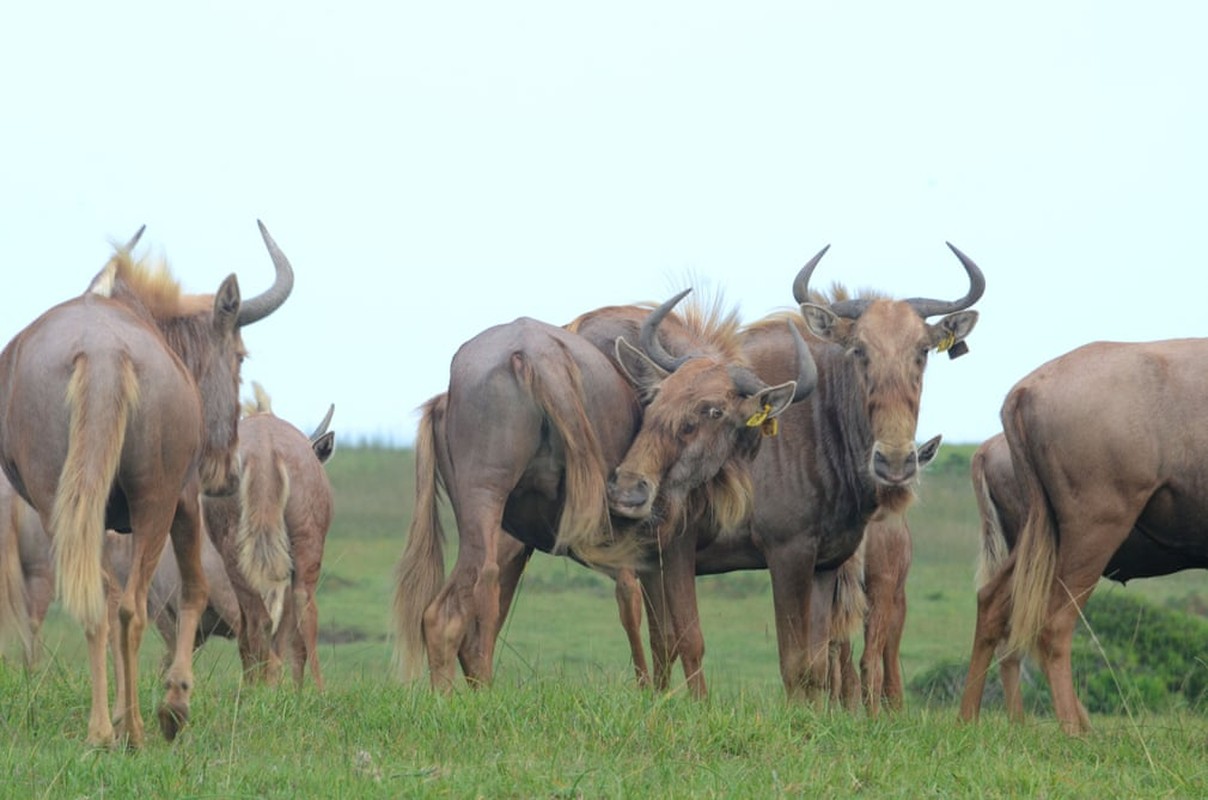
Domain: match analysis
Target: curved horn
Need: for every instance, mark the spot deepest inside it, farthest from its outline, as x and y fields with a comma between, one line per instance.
x=801, y=284
x=265, y=303
x=649, y=340
x=322, y=429
x=746, y=382
x=138, y=234
x=807, y=370
x=850, y=309
x=927, y=307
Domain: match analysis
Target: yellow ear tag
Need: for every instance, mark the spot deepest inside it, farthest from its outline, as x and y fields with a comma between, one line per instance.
x=759, y=417
x=947, y=342
x=770, y=427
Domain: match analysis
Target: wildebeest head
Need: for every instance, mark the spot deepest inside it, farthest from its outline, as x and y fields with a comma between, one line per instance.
x=204, y=331
x=701, y=412
x=887, y=343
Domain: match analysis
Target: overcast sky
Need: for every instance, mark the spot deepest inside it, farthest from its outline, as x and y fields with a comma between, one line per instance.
x=432, y=169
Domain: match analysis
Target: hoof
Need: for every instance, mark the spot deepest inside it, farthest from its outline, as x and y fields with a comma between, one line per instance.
x=171, y=719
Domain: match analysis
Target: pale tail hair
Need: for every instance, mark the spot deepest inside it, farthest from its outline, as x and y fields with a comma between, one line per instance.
x=262, y=540
x=96, y=433
x=421, y=568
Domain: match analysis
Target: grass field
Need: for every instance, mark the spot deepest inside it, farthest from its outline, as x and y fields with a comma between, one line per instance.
x=563, y=719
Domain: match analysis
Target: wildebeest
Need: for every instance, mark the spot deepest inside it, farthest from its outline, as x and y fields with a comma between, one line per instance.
x=845, y=452
x=884, y=556
x=535, y=420
x=271, y=535
x=1003, y=510
x=117, y=409
x=26, y=574
x=1105, y=440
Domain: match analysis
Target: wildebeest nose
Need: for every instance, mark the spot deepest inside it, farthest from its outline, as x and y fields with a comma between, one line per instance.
x=627, y=489
x=885, y=470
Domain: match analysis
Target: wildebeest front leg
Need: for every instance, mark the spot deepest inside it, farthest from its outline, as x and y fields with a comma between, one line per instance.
x=629, y=607
x=677, y=591
x=792, y=574
x=194, y=592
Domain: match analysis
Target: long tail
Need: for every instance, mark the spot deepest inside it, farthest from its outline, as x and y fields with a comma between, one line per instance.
x=14, y=611
x=421, y=569
x=1036, y=550
x=99, y=412
x=262, y=540
x=851, y=601
x=994, y=550
x=584, y=527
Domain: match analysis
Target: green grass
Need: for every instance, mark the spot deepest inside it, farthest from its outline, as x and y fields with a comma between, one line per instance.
x=564, y=719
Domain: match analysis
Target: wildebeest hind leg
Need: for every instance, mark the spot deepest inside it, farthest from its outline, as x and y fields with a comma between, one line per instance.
x=186, y=534
x=150, y=531
x=991, y=628
x=629, y=607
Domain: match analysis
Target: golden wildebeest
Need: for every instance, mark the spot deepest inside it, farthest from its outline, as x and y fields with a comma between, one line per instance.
x=26, y=574
x=1003, y=508
x=884, y=557
x=535, y=420
x=846, y=451
x=117, y=409
x=271, y=536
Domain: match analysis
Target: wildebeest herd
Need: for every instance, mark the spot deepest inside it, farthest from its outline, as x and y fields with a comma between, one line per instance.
x=650, y=443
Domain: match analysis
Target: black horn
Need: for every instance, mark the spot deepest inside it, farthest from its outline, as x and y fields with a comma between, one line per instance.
x=850, y=309
x=801, y=284
x=807, y=370
x=130, y=245
x=322, y=429
x=649, y=340
x=265, y=303
x=927, y=307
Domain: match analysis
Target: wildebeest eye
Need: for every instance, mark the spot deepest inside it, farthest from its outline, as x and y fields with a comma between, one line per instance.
x=687, y=428
x=713, y=412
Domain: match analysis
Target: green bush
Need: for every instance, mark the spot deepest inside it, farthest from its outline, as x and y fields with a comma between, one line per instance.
x=1141, y=656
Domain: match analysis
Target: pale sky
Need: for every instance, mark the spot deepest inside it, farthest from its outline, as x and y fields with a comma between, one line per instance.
x=432, y=169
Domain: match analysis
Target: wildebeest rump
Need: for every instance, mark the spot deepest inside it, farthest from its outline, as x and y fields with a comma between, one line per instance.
x=271, y=535
x=1108, y=438
x=841, y=454
x=561, y=417
x=117, y=408
x=1003, y=511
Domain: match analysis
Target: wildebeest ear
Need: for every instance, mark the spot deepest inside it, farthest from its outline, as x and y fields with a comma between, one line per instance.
x=226, y=305
x=928, y=450
x=823, y=323
x=778, y=398
x=324, y=446
x=637, y=367
x=952, y=330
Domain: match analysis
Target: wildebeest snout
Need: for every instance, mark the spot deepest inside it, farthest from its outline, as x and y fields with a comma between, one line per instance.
x=894, y=468
x=631, y=494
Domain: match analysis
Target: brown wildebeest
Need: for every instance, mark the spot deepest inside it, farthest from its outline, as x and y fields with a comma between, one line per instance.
x=1106, y=439
x=117, y=409
x=839, y=456
x=561, y=416
x=1003, y=510
x=26, y=574
x=885, y=554
x=271, y=536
